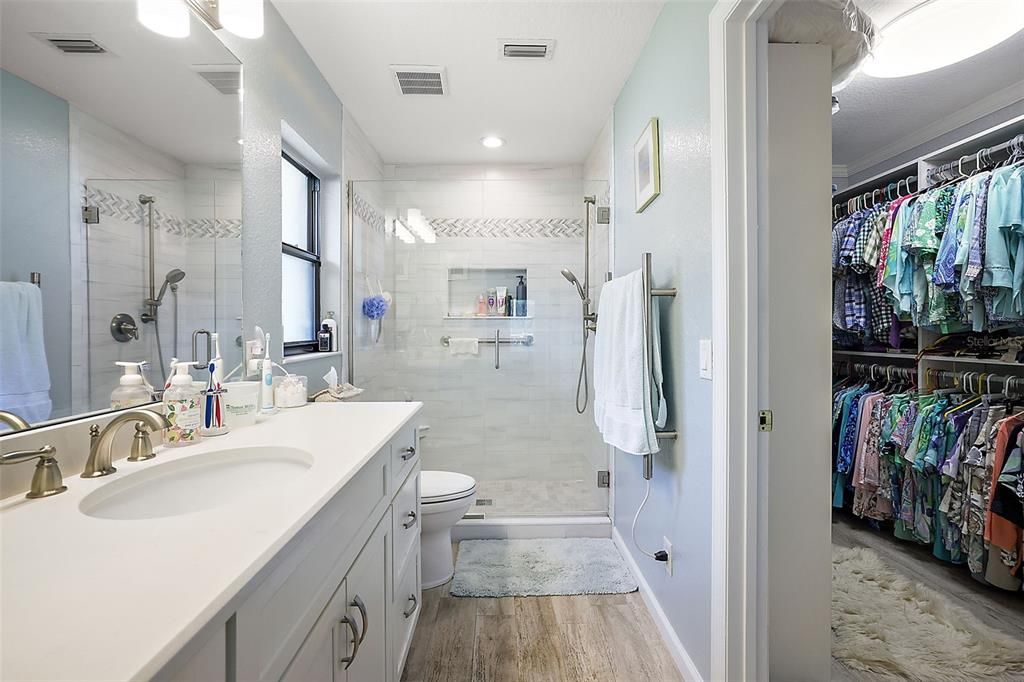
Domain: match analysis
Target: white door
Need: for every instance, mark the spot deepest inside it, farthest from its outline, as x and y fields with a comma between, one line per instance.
x=318, y=658
x=795, y=360
x=367, y=604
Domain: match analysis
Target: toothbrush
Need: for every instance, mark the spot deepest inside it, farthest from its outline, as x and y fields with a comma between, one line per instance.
x=210, y=402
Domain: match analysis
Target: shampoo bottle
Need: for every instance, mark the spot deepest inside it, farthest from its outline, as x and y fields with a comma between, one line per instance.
x=133, y=388
x=520, y=297
x=332, y=326
x=181, y=406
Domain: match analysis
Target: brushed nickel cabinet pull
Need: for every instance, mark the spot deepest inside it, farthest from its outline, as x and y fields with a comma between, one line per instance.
x=412, y=609
x=411, y=522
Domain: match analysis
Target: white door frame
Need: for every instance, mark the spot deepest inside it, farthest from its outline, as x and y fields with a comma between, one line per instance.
x=737, y=42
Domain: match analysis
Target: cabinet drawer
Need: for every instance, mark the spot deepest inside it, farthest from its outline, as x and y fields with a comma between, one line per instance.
x=405, y=612
x=405, y=454
x=406, y=519
x=274, y=620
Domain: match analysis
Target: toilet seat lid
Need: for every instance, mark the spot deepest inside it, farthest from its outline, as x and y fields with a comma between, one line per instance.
x=438, y=486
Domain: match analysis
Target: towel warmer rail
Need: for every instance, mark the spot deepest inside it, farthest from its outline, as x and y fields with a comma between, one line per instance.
x=650, y=293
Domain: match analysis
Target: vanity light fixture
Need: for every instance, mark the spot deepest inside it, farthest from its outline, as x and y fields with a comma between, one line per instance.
x=492, y=141
x=937, y=33
x=244, y=18
x=171, y=18
x=167, y=17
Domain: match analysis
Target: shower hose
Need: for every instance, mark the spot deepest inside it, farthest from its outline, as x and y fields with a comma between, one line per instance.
x=582, y=388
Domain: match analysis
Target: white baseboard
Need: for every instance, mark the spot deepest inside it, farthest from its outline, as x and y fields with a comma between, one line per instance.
x=682, y=659
x=511, y=528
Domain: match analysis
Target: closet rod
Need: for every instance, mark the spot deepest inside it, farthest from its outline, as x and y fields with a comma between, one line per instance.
x=1015, y=144
x=862, y=200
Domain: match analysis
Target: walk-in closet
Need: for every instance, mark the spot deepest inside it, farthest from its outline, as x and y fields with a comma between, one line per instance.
x=928, y=372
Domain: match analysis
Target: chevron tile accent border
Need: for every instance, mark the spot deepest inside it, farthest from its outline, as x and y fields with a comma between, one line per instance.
x=369, y=213
x=129, y=210
x=508, y=228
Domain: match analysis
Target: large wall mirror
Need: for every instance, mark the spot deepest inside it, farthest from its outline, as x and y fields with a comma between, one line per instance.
x=120, y=224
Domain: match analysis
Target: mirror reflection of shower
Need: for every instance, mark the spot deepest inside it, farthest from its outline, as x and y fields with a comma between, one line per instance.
x=589, y=318
x=152, y=304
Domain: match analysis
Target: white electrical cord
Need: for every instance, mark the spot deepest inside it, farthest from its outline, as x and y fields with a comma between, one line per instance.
x=639, y=509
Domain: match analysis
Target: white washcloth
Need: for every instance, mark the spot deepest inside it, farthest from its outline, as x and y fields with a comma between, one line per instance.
x=622, y=385
x=460, y=346
x=24, y=374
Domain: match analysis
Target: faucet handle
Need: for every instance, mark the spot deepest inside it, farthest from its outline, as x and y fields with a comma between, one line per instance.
x=142, y=447
x=46, y=479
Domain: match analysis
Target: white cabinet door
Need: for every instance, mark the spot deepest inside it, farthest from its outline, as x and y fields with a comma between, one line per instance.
x=367, y=605
x=319, y=657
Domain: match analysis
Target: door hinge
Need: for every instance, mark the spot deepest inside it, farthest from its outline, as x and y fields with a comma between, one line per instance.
x=90, y=215
x=604, y=479
x=765, y=420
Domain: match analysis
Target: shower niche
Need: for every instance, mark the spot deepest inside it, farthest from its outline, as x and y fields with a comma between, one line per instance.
x=466, y=286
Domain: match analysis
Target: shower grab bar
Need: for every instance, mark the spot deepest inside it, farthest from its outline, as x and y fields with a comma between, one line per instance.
x=650, y=293
x=521, y=340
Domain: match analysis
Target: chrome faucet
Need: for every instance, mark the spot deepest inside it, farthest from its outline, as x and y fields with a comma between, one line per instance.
x=101, y=442
x=14, y=421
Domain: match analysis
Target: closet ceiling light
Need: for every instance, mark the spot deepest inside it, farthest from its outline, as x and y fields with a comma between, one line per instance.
x=492, y=142
x=937, y=33
x=244, y=18
x=169, y=18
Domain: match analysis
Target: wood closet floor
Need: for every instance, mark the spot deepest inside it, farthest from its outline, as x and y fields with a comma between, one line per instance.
x=536, y=639
x=1000, y=610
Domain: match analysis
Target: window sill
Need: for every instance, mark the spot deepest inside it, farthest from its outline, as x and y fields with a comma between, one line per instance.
x=306, y=357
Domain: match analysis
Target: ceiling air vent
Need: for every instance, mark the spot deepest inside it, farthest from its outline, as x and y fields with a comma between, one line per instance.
x=420, y=80
x=526, y=49
x=227, y=79
x=72, y=44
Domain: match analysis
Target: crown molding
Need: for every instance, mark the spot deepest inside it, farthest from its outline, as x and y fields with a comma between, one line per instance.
x=983, y=107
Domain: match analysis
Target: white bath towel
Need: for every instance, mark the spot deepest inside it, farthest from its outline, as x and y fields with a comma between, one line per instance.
x=464, y=346
x=24, y=374
x=622, y=384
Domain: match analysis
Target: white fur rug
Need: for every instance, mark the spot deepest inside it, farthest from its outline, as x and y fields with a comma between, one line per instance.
x=885, y=624
x=531, y=568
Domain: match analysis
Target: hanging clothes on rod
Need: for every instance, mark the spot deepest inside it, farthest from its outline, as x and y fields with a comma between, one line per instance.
x=945, y=256
x=943, y=467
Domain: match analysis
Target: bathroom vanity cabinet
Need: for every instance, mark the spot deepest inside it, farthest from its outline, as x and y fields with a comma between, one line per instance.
x=311, y=575
x=340, y=602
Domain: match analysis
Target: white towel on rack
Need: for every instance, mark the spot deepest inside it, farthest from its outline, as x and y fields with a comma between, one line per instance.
x=464, y=346
x=24, y=374
x=622, y=382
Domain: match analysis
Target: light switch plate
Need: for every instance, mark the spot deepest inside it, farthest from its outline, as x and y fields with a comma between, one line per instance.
x=705, y=359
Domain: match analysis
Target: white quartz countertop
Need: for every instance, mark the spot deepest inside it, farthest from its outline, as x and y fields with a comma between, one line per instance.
x=85, y=598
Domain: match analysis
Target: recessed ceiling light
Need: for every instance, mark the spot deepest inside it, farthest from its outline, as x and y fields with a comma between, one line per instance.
x=169, y=18
x=492, y=141
x=937, y=33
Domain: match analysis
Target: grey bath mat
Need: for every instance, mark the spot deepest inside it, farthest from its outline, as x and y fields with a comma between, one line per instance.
x=534, y=568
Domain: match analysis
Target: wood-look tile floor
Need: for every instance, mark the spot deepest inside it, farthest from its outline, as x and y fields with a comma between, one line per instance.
x=537, y=639
x=1000, y=610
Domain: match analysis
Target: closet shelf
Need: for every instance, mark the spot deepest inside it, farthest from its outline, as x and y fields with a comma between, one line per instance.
x=874, y=354
x=963, y=360
x=486, y=318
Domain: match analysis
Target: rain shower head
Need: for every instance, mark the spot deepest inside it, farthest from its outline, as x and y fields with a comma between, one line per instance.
x=571, y=278
x=172, y=277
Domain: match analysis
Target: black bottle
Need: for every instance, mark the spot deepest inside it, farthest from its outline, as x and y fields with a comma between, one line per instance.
x=520, y=297
x=324, y=339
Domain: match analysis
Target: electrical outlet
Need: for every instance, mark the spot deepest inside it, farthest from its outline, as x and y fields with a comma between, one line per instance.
x=667, y=546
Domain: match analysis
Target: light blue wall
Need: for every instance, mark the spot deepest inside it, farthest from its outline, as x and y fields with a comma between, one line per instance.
x=670, y=81
x=34, y=169
x=282, y=85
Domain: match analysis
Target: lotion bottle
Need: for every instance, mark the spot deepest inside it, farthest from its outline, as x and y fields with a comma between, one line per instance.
x=181, y=406
x=133, y=389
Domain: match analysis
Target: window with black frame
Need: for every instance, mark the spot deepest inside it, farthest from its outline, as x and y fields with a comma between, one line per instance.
x=300, y=256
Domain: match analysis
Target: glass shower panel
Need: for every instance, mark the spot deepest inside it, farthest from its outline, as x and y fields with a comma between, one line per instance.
x=197, y=230
x=437, y=247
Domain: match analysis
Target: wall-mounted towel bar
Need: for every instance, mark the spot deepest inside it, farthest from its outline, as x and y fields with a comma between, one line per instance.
x=649, y=293
x=36, y=278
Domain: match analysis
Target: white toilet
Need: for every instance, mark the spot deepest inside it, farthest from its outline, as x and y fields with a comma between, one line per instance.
x=445, y=497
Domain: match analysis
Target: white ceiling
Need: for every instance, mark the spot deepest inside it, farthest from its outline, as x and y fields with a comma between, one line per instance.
x=144, y=86
x=547, y=111
x=878, y=112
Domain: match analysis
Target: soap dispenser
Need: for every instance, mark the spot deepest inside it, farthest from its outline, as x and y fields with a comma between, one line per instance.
x=181, y=407
x=133, y=389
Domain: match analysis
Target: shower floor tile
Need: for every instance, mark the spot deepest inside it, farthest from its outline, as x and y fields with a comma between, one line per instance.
x=515, y=497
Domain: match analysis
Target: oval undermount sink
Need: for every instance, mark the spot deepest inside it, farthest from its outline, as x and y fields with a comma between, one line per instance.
x=203, y=481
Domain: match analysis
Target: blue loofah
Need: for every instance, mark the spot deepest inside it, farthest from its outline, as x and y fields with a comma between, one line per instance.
x=375, y=307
